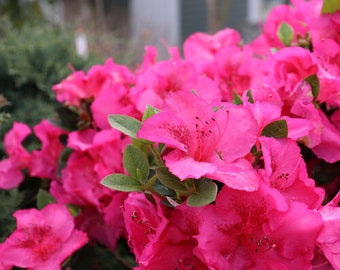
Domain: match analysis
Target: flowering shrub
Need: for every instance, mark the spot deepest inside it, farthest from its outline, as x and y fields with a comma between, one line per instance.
x=225, y=158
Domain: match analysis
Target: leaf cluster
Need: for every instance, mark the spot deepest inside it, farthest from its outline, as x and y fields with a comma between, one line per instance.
x=147, y=173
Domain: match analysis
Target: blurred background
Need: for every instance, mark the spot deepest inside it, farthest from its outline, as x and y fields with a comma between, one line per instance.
x=42, y=41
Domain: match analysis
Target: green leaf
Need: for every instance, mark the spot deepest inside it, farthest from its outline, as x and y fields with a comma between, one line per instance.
x=314, y=82
x=285, y=33
x=277, y=129
x=125, y=124
x=170, y=180
x=136, y=162
x=74, y=209
x=44, y=198
x=237, y=99
x=250, y=96
x=150, y=111
x=121, y=182
x=330, y=6
x=205, y=194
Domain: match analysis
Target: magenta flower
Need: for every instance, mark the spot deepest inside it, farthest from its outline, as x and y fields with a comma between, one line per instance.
x=162, y=239
x=18, y=157
x=43, y=239
x=80, y=86
x=155, y=82
x=204, y=46
x=329, y=238
x=44, y=162
x=144, y=223
x=285, y=170
x=257, y=230
x=204, y=141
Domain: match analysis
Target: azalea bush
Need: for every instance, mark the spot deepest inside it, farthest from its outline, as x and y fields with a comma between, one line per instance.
x=227, y=157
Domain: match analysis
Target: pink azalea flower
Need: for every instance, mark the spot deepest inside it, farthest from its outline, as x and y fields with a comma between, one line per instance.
x=44, y=162
x=329, y=147
x=329, y=238
x=325, y=36
x=98, y=146
x=112, y=100
x=234, y=70
x=71, y=89
x=82, y=183
x=291, y=66
x=253, y=230
x=296, y=18
x=329, y=88
x=154, y=233
x=18, y=157
x=205, y=46
x=285, y=170
x=157, y=81
x=105, y=226
x=266, y=112
x=43, y=239
x=80, y=86
x=144, y=223
x=203, y=140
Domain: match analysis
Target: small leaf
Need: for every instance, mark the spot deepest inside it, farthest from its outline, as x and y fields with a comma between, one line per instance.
x=250, y=96
x=314, y=82
x=205, y=194
x=150, y=111
x=74, y=209
x=170, y=180
x=277, y=129
x=125, y=124
x=330, y=6
x=121, y=182
x=44, y=198
x=136, y=162
x=237, y=99
x=285, y=33
x=163, y=190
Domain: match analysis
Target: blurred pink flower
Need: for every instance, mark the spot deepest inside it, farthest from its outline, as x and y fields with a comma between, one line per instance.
x=43, y=239
x=45, y=161
x=18, y=157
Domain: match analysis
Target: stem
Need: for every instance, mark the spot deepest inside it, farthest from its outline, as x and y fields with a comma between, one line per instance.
x=158, y=159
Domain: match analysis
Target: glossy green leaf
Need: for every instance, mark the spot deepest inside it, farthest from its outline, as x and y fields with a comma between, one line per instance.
x=205, y=194
x=125, y=124
x=136, y=162
x=121, y=182
x=277, y=129
x=314, y=82
x=330, y=6
x=170, y=180
x=285, y=33
x=150, y=111
x=44, y=198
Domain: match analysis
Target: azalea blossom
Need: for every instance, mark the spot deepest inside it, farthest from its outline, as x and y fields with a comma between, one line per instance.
x=253, y=230
x=154, y=233
x=44, y=161
x=207, y=139
x=18, y=157
x=43, y=239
